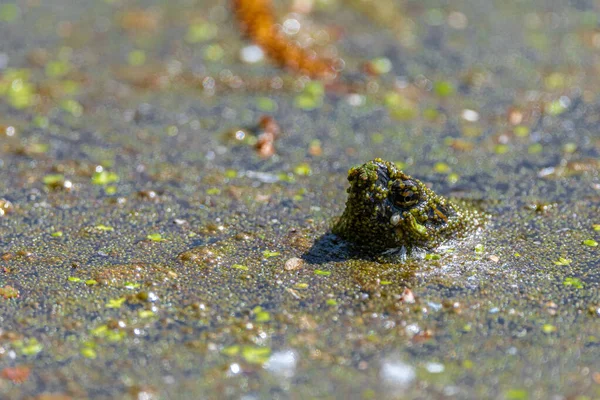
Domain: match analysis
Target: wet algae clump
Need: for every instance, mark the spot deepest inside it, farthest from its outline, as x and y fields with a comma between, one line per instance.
x=387, y=209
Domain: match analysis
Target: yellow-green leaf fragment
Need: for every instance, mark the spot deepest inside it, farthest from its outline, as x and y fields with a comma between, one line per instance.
x=268, y=253
x=116, y=303
x=573, y=282
x=590, y=243
x=104, y=178
x=562, y=261
x=74, y=279
x=322, y=273
x=231, y=350
x=239, y=266
x=548, y=328
x=56, y=234
x=155, y=237
x=88, y=352
x=104, y=228
x=53, y=179
x=256, y=355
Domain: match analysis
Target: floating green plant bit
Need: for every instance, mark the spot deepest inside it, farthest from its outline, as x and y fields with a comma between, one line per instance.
x=521, y=131
x=240, y=267
x=231, y=350
x=590, y=243
x=573, y=282
x=30, y=347
x=56, y=234
x=268, y=253
x=261, y=315
x=155, y=237
x=88, y=352
x=549, y=328
x=91, y=282
x=311, y=97
x=53, y=179
x=116, y=303
x=74, y=279
x=201, y=32
x=104, y=178
x=303, y=169
x=443, y=88
x=104, y=228
x=9, y=12
x=596, y=227
x=266, y=104
x=256, y=355
x=322, y=273
x=301, y=285
x=146, y=314
x=136, y=58
x=387, y=209
x=562, y=261
x=131, y=285
x=213, y=191
x=331, y=302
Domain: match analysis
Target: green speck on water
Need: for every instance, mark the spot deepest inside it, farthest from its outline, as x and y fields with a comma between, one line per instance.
x=231, y=173
x=385, y=283
x=467, y=328
x=311, y=97
x=306, y=102
x=431, y=114
x=399, y=106
x=73, y=107
x=53, y=179
x=231, y=350
x=213, y=191
x=136, y=58
x=32, y=347
x=443, y=88
x=131, y=285
x=110, y=190
x=441, y=168
x=562, y=261
x=400, y=164
x=88, y=352
x=266, y=104
x=430, y=256
x=57, y=68
x=104, y=228
x=569, y=148
x=573, y=282
x=115, y=335
x=155, y=237
x=517, y=254
x=74, y=279
x=172, y=130
x=322, y=273
x=116, y=303
x=15, y=86
x=91, y=282
x=214, y=52
x=261, y=315
x=301, y=285
x=479, y=248
x=381, y=65
x=104, y=178
x=99, y=331
x=590, y=243
x=501, y=149
x=9, y=12
x=146, y=314
x=240, y=266
x=41, y=122
x=453, y=177
x=596, y=227
x=548, y=328
x=516, y=394
x=256, y=355
x=38, y=148
x=331, y=302
x=555, y=107
x=201, y=32
x=521, y=131
x=268, y=253
x=56, y=234
x=303, y=169
x=535, y=148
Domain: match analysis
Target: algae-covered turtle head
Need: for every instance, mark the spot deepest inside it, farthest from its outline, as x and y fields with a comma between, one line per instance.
x=388, y=209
